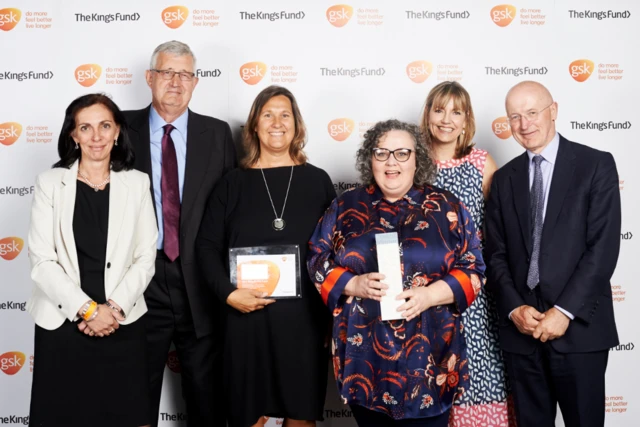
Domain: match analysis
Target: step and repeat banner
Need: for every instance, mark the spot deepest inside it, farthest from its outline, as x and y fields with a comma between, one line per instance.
x=349, y=64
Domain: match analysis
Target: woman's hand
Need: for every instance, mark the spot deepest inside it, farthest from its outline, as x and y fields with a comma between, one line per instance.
x=104, y=324
x=366, y=286
x=418, y=300
x=248, y=300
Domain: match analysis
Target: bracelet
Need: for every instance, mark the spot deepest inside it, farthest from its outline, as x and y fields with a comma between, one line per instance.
x=116, y=309
x=91, y=312
x=84, y=309
x=93, y=316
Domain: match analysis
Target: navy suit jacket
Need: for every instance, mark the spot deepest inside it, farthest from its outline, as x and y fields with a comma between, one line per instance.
x=579, y=247
x=210, y=155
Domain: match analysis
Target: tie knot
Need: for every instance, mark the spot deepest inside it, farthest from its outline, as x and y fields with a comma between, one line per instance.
x=537, y=159
x=168, y=128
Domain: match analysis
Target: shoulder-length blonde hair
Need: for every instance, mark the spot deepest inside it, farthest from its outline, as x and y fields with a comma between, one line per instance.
x=250, y=139
x=439, y=98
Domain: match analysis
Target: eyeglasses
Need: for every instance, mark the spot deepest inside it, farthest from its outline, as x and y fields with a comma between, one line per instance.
x=400, y=154
x=531, y=115
x=185, y=76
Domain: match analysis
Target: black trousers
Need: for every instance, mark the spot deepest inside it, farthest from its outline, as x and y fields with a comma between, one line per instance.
x=546, y=378
x=368, y=418
x=169, y=320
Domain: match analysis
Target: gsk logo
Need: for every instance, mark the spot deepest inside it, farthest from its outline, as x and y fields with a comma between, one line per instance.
x=88, y=74
x=339, y=15
x=9, y=132
x=11, y=362
x=173, y=362
x=10, y=247
x=340, y=129
x=9, y=18
x=252, y=72
x=419, y=71
x=581, y=69
x=503, y=14
x=174, y=16
x=501, y=128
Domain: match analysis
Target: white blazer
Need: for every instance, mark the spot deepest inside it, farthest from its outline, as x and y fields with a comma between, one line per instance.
x=131, y=246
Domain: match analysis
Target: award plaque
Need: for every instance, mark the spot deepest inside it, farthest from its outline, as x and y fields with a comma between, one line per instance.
x=271, y=269
x=389, y=264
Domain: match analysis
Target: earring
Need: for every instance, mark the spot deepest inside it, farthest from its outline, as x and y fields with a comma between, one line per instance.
x=116, y=142
x=77, y=146
x=463, y=132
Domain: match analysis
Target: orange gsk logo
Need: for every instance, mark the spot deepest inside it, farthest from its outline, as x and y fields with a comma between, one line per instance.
x=9, y=132
x=419, y=71
x=503, y=14
x=88, y=74
x=501, y=128
x=252, y=72
x=581, y=69
x=174, y=16
x=340, y=129
x=11, y=362
x=339, y=15
x=10, y=247
x=9, y=18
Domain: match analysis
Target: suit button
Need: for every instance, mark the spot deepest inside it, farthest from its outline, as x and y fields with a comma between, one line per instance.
x=108, y=265
x=528, y=260
x=134, y=304
x=59, y=306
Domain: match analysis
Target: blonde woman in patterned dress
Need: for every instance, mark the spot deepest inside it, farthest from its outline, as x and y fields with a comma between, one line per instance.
x=449, y=127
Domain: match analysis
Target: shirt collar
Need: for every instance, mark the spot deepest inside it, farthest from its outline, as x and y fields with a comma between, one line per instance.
x=550, y=152
x=376, y=195
x=156, y=122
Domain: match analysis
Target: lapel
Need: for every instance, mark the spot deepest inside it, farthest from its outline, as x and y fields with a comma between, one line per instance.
x=560, y=182
x=118, y=195
x=199, y=148
x=68, y=204
x=140, y=137
x=520, y=191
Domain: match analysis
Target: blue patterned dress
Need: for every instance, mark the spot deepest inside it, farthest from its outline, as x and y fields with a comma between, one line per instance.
x=485, y=401
x=404, y=369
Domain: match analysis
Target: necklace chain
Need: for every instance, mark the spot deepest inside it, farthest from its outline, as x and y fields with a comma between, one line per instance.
x=269, y=193
x=92, y=185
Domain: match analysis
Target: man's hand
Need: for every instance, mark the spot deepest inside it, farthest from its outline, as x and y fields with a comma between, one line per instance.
x=553, y=326
x=526, y=319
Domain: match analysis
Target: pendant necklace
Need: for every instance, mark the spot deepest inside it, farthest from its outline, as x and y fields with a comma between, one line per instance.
x=278, y=224
x=95, y=187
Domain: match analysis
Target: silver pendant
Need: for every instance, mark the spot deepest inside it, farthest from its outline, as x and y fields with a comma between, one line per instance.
x=95, y=189
x=278, y=224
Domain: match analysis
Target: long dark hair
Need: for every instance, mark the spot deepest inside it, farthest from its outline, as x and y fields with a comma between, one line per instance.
x=122, y=155
x=250, y=136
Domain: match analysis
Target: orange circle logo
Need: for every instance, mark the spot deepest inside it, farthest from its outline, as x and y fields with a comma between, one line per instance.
x=9, y=132
x=10, y=247
x=11, y=362
x=501, y=128
x=174, y=16
x=581, y=69
x=253, y=72
x=503, y=14
x=339, y=15
x=9, y=18
x=88, y=74
x=419, y=71
x=340, y=129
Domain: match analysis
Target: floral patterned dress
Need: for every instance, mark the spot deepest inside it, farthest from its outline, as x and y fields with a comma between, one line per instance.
x=404, y=369
x=484, y=404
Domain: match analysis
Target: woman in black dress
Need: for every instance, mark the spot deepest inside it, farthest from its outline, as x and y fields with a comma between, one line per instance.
x=92, y=246
x=275, y=357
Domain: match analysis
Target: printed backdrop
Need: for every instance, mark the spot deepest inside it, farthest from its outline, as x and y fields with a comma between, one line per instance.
x=349, y=65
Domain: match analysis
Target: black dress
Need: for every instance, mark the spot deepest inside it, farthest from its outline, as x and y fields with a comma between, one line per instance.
x=80, y=380
x=275, y=360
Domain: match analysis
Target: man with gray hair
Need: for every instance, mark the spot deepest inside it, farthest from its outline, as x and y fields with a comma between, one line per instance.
x=185, y=154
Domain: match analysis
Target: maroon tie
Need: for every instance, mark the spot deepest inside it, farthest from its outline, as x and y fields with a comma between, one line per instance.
x=170, y=196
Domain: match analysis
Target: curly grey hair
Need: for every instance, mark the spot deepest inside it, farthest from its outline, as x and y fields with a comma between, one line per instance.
x=426, y=169
x=172, y=47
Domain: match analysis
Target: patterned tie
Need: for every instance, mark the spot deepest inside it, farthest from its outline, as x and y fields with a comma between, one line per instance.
x=537, y=205
x=170, y=196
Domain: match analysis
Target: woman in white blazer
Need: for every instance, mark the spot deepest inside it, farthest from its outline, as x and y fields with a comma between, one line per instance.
x=92, y=246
